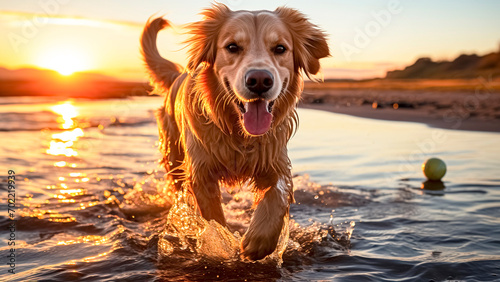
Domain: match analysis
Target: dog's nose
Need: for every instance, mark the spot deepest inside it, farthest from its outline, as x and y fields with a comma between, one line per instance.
x=259, y=81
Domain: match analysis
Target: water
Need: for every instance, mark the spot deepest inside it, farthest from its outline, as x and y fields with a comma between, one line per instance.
x=91, y=203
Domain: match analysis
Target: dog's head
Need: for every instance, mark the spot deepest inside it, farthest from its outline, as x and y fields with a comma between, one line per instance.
x=257, y=58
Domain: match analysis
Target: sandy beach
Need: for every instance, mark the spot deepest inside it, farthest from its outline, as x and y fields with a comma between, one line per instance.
x=471, y=106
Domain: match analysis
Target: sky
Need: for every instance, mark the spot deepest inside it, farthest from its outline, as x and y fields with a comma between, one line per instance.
x=366, y=37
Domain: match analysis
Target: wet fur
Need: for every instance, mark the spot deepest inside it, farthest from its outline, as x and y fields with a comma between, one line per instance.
x=201, y=136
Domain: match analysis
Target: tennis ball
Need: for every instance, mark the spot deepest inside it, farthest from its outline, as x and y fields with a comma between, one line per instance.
x=434, y=169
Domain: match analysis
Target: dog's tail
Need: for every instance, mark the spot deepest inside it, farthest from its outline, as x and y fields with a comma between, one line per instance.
x=162, y=72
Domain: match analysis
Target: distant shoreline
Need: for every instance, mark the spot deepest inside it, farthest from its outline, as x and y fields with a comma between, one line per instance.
x=464, y=104
x=76, y=87
x=405, y=115
x=439, y=85
x=471, y=108
x=73, y=88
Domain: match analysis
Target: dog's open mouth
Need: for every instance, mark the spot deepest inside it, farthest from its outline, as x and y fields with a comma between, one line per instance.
x=243, y=106
x=257, y=115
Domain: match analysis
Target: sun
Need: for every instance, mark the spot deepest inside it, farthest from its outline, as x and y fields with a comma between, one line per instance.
x=65, y=61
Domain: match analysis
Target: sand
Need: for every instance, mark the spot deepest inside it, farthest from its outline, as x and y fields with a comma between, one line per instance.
x=467, y=109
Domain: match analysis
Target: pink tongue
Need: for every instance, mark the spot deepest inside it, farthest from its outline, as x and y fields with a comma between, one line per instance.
x=256, y=119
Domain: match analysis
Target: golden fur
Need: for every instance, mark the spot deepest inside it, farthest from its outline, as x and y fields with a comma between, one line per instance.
x=202, y=136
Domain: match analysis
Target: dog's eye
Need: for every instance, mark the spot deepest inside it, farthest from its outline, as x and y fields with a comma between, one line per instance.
x=280, y=49
x=233, y=48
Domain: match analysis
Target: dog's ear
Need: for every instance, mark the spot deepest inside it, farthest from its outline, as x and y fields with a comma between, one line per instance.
x=309, y=42
x=203, y=40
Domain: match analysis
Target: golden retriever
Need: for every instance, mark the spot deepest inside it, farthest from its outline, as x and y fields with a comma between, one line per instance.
x=228, y=116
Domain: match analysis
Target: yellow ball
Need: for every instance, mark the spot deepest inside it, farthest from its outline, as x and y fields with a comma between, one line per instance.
x=434, y=169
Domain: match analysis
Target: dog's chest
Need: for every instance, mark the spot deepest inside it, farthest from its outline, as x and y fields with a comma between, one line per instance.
x=242, y=160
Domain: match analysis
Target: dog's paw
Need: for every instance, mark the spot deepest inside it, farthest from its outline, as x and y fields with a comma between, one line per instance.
x=257, y=245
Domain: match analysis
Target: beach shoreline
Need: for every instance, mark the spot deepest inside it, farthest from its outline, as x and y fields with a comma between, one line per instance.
x=458, y=110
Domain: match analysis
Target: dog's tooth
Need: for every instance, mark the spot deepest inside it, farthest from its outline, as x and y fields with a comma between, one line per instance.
x=246, y=106
x=241, y=106
x=270, y=106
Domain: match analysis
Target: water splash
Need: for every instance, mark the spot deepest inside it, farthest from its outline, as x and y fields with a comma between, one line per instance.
x=183, y=235
x=187, y=232
x=186, y=229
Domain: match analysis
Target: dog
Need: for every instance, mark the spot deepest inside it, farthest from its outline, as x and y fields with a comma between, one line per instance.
x=227, y=117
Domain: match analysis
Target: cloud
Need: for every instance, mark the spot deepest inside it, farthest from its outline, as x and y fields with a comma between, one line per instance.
x=352, y=73
x=18, y=18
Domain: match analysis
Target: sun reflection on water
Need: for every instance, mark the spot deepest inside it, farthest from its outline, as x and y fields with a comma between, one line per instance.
x=67, y=112
x=62, y=143
x=60, y=164
x=95, y=258
x=68, y=135
x=90, y=239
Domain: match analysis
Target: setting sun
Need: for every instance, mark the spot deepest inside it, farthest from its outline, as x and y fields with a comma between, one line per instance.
x=65, y=61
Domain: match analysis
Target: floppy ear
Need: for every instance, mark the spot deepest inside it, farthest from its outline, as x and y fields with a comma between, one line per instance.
x=203, y=40
x=309, y=42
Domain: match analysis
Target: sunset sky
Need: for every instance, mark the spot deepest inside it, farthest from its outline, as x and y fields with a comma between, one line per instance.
x=366, y=37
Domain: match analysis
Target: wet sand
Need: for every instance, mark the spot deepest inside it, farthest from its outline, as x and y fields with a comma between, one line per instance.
x=463, y=109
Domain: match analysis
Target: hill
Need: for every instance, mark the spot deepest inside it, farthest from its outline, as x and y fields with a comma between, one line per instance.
x=37, y=82
x=463, y=67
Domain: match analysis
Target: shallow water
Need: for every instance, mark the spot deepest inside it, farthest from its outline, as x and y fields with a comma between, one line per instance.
x=91, y=204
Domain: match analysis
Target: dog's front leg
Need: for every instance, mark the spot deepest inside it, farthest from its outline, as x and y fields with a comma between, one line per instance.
x=208, y=198
x=265, y=227
x=202, y=180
